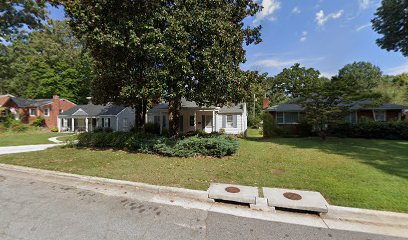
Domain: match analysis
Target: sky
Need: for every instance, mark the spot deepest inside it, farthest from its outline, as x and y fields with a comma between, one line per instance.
x=323, y=34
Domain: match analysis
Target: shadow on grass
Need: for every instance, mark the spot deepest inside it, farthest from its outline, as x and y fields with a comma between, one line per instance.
x=389, y=156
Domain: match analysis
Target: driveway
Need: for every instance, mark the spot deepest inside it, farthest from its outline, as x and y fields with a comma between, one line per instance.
x=34, y=209
x=25, y=148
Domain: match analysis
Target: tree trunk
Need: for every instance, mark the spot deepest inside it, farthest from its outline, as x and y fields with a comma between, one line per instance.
x=174, y=116
x=138, y=117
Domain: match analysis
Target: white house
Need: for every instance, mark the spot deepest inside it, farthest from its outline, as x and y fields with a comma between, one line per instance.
x=233, y=119
x=89, y=117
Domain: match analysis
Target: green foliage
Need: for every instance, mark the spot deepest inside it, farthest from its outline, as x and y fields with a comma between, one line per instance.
x=152, y=128
x=38, y=122
x=292, y=81
x=210, y=145
x=270, y=129
x=358, y=79
x=394, y=89
x=376, y=130
x=254, y=122
x=390, y=21
x=18, y=127
x=151, y=49
x=54, y=129
x=19, y=13
x=46, y=63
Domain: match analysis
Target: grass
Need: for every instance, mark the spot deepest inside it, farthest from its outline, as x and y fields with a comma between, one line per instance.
x=348, y=172
x=26, y=138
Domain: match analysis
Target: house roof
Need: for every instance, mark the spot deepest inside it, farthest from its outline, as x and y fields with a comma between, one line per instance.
x=94, y=110
x=4, y=99
x=188, y=104
x=357, y=105
x=285, y=108
x=22, y=102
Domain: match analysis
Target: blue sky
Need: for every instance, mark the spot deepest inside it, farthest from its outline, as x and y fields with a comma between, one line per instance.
x=323, y=34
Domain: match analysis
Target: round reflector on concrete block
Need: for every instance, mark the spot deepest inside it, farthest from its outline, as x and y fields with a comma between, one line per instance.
x=234, y=193
x=296, y=199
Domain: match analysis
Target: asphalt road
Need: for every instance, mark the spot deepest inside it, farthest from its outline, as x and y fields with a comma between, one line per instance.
x=30, y=209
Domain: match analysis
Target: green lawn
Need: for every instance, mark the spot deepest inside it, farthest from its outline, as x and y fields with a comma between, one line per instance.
x=348, y=172
x=26, y=138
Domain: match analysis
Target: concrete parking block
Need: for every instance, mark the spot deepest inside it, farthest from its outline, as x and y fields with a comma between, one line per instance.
x=231, y=192
x=261, y=205
x=295, y=199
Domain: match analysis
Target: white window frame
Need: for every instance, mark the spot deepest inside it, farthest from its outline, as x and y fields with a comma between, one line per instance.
x=30, y=113
x=48, y=112
x=384, y=112
x=125, y=123
x=284, y=118
x=229, y=123
x=208, y=121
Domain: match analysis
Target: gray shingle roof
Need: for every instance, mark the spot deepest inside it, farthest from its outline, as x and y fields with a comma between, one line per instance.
x=94, y=110
x=285, y=107
x=358, y=105
x=188, y=104
x=21, y=102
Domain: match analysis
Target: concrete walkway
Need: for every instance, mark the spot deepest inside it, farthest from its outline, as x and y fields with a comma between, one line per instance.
x=25, y=148
x=40, y=204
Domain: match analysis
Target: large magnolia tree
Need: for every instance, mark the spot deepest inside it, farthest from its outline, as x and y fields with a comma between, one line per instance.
x=167, y=49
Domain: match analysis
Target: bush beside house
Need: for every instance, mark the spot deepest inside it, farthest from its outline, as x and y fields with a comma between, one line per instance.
x=215, y=145
x=397, y=130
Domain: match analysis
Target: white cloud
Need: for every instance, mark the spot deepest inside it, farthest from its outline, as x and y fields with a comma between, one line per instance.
x=280, y=64
x=359, y=28
x=296, y=10
x=304, y=36
x=275, y=63
x=327, y=74
x=321, y=18
x=364, y=4
x=398, y=70
x=268, y=10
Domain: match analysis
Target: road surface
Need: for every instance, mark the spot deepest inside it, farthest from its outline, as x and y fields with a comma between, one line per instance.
x=31, y=209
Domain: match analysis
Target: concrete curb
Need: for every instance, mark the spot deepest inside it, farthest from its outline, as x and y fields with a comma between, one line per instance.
x=181, y=192
x=341, y=218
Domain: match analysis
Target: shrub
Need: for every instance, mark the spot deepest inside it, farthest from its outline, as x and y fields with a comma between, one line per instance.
x=370, y=129
x=255, y=122
x=152, y=128
x=38, y=122
x=269, y=126
x=18, y=127
x=100, y=129
x=210, y=145
x=54, y=129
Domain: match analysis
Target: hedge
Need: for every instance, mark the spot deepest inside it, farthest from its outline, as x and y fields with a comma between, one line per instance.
x=380, y=130
x=211, y=145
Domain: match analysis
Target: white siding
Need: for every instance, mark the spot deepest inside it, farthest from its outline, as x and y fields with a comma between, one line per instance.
x=241, y=124
x=128, y=114
x=240, y=127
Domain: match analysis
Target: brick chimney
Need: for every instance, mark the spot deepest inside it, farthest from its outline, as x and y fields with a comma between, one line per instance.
x=265, y=103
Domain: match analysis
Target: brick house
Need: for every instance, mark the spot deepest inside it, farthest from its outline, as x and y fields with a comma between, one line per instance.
x=27, y=110
x=288, y=115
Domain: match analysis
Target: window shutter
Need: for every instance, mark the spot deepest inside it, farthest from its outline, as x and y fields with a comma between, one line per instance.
x=224, y=121
x=234, y=123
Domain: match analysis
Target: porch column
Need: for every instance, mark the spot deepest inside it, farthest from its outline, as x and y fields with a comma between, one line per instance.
x=86, y=124
x=161, y=123
x=195, y=120
x=59, y=124
x=213, y=122
x=73, y=124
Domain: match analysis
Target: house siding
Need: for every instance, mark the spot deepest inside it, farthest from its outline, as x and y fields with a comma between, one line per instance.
x=128, y=114
x=241, y=120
